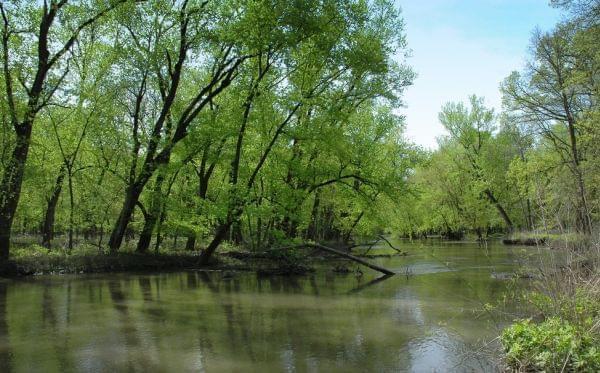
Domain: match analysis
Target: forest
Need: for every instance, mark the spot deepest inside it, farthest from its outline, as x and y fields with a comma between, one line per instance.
x=138, y=121
x=152, y=127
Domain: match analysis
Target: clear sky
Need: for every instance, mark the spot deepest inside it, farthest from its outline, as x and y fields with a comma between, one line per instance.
x=464, y=47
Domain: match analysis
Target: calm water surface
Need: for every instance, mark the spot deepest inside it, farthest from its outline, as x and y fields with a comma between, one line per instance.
x=428, y=318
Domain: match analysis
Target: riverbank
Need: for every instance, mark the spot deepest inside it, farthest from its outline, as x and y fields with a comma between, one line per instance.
x=36, y=260
x=562, y=240
x=52, y=264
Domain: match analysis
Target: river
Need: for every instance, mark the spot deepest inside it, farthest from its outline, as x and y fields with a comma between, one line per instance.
x=429, y=317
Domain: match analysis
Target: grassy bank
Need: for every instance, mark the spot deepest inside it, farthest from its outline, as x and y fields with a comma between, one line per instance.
x=37, y=260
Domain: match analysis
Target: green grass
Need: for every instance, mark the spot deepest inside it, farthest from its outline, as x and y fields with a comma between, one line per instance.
x=35, y=259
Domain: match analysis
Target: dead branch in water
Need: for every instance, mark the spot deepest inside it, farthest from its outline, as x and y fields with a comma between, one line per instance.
x=343, y=255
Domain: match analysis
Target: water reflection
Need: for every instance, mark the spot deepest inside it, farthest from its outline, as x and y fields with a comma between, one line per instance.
x=222, y=322
x=5, y=347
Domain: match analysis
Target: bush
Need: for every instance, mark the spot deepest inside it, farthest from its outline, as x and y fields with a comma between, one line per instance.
x=552, y=345
x=565, y=298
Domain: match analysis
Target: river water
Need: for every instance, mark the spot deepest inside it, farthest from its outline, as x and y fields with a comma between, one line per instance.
x=429, y=317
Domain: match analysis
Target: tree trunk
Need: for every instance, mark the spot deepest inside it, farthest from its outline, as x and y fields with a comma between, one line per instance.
x=153, y=214
x=159, y=237
x=584, y=223
x=354, y=224
x=529, y=215
x=500, y=209
x=48, y=225
x=190, y=244
x=146, y=234
x=220, y=235
x=118, y=232
x=583, y=215
x=312, y=230
x=71, y=207
x=10, y=188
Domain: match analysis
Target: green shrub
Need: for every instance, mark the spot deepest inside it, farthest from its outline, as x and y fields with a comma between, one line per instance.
x=552, y=345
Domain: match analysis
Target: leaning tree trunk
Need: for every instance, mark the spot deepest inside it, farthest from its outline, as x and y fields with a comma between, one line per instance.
x=500, y=209
x=220, y=235
x=118, y=232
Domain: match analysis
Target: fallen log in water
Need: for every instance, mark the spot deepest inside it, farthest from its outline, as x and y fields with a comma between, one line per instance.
x=372, y=244
x=343, y=255
x=390, y=245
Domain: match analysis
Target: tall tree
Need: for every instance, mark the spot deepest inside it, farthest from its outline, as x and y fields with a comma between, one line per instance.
x=37, y=85
x=471, y=128
x=544, y=96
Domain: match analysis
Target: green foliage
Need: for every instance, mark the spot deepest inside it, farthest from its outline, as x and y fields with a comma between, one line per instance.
x=200, y=114
x=553, y=345
x=538, y=160
x=462, y=186
x=566, y=304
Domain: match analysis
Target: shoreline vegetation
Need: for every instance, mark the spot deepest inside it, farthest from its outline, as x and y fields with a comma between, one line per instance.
x=558, y=329
x=297, y=259
x=558, y=241
x=29, y=258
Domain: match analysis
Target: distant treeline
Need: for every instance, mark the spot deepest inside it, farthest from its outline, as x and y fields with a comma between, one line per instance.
x=535, y=165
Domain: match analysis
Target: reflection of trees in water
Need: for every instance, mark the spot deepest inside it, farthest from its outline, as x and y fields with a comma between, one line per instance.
x=58, y=334
x=145, y=288
x=151, y=307
x=5, y=347
x=238, y=338
x=138, y=357
x=283, y=324
x=322, y=321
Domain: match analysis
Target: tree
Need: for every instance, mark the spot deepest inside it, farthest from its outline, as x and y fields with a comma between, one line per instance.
x=545, y=96
x=472, y=129
x=350, y=62
x=40, y=75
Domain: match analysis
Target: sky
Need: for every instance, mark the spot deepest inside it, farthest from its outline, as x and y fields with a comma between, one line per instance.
x=464, y=47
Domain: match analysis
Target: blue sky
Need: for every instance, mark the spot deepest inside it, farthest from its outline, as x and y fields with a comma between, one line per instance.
x=464, y=47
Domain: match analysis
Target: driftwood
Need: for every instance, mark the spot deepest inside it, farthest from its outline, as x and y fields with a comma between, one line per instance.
x=343, y=255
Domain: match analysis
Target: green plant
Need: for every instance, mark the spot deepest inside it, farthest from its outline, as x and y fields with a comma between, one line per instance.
x=552, y=345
